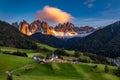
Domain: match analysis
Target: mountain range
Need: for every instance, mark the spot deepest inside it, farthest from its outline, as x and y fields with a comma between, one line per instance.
x=65, y=30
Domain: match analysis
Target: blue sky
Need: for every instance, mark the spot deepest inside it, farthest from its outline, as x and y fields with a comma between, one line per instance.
x=85, y=12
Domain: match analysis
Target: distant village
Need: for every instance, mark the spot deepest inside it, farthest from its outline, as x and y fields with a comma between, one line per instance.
x=53, y=58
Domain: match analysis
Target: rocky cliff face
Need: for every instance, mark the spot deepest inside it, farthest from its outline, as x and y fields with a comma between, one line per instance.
x=43, y=27
x=69, y=27
x=66, y=27
x=24, y=27
x=61, y=30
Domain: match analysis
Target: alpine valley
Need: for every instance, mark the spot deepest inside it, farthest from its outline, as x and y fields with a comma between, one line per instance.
x=103, y=41
x=59, y=40
x=26, y=46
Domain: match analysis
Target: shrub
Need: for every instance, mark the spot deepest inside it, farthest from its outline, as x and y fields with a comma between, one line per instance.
x=117, y=72
x=17, y=53
x=84, y=59
x=9, y=77
x=61, y=52
x=0, y=50
x=77, y=54
x=96, y=68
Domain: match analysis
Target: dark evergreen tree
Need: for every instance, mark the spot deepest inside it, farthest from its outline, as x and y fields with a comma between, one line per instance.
x=106, y=69
x=117, y=72
x=61, y=52
x=77, y=54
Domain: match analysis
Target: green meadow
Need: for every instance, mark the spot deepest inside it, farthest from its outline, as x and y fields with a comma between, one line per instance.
x=23, y=68
x=28, y=69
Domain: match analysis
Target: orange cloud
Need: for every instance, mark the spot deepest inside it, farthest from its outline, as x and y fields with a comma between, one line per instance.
x=54, y=15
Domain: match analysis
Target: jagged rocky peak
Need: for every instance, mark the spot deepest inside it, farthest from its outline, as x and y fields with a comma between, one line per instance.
x=65, y=27
x=46, y=28
x=37, y=20
x=69, y=27
x=25, y=21
x=24, y=27
x=87, y=28
x=34, y=26
x=41, y=26
x=15, y=24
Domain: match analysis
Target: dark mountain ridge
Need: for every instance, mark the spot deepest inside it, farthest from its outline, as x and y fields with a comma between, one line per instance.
x=12, y=37
x=105, y=41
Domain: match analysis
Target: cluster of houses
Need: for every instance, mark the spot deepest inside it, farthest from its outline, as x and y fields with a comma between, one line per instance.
x=53, y=58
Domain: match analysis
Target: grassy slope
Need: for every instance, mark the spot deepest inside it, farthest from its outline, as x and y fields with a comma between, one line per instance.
x=58, y=71
x=8, y=63
x=51, y=71
x=30, y=52
x=52, y=49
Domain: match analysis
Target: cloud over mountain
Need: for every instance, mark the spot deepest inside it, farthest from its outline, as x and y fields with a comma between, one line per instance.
x=54, y=15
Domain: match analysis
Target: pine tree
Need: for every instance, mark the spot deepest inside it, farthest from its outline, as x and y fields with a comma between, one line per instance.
x=0, y=50
x=106, y=69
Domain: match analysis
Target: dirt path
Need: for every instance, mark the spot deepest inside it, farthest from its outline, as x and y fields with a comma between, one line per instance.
x=21, y=67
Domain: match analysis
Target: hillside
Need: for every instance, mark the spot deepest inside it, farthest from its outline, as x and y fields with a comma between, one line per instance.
x=54, y=41
x=56, y=71
x=25, y=69
x=8, y=63
x=105, y=41
x=11, y=37
x=49, y=40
